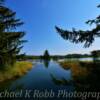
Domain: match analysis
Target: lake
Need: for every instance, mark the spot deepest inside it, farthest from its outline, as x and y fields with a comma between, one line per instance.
x=51, y=77
x=78, y=59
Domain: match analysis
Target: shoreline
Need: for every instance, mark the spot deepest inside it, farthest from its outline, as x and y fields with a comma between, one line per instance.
x=13, y=72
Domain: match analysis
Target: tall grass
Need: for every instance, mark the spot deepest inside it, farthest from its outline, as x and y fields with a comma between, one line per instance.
x=17, y=70
x=85, y=74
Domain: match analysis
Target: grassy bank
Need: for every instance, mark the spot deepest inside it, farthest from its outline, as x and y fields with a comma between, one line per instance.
x=76, y=67
x=80, y=68
x=85, y=74
x=19, y=69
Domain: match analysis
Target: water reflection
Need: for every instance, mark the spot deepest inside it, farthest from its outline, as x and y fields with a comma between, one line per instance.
x=46, y=62
x=48, y=74
x=41, y=73
x=96, y=59
x=61, y=81
x=81, y=59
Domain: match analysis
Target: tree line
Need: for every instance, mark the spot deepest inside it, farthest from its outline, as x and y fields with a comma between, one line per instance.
x=47, y=56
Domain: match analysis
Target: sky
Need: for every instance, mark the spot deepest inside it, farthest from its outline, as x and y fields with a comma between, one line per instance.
x=40, y=18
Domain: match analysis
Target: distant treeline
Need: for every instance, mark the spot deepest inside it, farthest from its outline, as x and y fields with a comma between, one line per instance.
x=25, y=57
x=46, y=55
x=78, y=55
x=71, y=56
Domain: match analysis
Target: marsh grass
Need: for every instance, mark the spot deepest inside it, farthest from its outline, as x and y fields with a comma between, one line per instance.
x=80, y=68
x=17, y=70
x=85, y=74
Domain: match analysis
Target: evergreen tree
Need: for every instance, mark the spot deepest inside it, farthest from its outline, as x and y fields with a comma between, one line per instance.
x=10, y=39
x=46, y=55
x=80, y=36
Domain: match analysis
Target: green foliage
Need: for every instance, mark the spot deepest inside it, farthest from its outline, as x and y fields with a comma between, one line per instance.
x=46, y=55
x=80, y=36
x=78, y=56
x=95, y=53
x=10, y=40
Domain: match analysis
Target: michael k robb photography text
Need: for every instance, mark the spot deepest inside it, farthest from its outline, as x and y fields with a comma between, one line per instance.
x=48, y=94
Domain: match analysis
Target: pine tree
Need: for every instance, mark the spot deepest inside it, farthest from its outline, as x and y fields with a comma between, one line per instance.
x=80, y=36
x=10, y=39
x=46, y=55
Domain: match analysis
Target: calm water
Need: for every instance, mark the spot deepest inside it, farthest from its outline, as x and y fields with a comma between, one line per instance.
x=40, y=77
x=49, y=75
x=79, y=59
x=45, y=75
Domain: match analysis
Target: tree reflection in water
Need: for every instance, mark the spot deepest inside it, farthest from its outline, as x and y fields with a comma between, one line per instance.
x=46, y=62
x=62, y=81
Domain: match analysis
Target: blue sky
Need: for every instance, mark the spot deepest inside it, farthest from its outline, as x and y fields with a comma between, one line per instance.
x=41, y=16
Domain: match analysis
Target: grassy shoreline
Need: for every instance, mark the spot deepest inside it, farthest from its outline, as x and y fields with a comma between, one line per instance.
x=69, y=64
x=80, y=68
x=85, y=74
x=19, y=69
